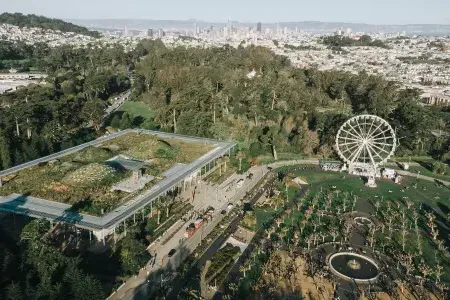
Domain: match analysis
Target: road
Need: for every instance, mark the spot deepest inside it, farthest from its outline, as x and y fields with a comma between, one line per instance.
x=137, y=287
x=177, y=284
x=117, y=103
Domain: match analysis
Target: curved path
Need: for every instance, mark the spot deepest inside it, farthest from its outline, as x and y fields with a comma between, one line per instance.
x=313, y=161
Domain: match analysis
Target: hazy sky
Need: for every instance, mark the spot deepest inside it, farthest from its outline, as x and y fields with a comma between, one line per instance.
x=364, y=11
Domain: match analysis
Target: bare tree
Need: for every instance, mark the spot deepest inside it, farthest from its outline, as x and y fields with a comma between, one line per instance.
x=355, y=199
x=299, y=205
x=434, y=233
x=348, y=228
x=390, y=219
x=401, y=284
x=377, y=206
x=441, y=245
x=415, y=216
x=407, y=262
x=404, y=232
x=309, y=240
x=334, y=233
x=425, y=270
x=321, y=214
x=443, y=290
x=371, y=241
x=432, y=225
x=419, y=244
x=278, y=221
x=303, y=225
x=438, y=273
x=389, y=207
x=270, y=231
x=409, y=204
x=323, y=235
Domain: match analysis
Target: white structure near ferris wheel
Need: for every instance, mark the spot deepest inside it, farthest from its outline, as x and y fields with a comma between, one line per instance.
x=365, y=142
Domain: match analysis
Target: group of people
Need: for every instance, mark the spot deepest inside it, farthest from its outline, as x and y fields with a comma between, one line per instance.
x=331, y=167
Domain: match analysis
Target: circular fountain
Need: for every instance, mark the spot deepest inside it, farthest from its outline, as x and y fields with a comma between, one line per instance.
x=354, y=267
x=363, y=221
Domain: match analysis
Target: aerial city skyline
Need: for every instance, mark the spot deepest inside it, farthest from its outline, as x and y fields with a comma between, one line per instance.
x=224, y=151
x=381, y=12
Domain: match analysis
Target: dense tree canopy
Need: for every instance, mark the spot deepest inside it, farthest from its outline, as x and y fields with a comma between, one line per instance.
x=206, y=92
x=344, y=41
x=203, y=92
x=45, y=273
x=40, y=119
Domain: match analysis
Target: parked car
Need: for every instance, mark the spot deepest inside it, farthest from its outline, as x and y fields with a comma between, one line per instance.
x=239, y=183
x=172, y=252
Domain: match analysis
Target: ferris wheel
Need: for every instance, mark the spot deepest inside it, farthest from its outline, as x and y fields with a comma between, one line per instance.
x=365, y=141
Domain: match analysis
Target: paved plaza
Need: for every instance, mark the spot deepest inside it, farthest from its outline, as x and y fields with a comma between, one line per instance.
x=207, y=195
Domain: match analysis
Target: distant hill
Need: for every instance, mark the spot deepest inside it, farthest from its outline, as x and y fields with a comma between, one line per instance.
x=22, y=20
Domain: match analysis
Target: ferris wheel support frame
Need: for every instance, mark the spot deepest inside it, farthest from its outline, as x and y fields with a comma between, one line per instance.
x=365, y=142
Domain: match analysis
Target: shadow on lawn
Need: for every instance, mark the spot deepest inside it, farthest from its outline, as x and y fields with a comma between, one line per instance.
x=441, y=221
x=425, y=164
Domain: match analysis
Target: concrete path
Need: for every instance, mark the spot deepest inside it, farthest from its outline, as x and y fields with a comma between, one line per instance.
x=427, y=178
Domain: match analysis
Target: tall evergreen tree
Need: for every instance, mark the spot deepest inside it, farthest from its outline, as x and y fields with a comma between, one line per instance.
x=5, y=151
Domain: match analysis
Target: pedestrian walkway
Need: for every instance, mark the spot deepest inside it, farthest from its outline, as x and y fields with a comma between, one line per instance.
x=206, y=195
x=432, y=179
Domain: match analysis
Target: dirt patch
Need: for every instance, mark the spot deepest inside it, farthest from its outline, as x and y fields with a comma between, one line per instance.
x=285, y=275
x=58, y=187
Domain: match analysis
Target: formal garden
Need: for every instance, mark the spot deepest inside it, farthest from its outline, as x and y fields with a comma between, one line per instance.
x=401, y=228
x=221, y=261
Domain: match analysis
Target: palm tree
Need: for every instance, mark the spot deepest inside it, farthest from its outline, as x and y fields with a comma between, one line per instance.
x=404, y=232
x=334, y=233
x=220, y=161
x=287, y=180
x=167, y=205
x=242, y=269
x=240, y=156
x=225, y=160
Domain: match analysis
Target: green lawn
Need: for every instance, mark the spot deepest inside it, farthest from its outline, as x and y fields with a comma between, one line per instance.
x=411, y=158
x=425, y=191
x=137, y=109
x=263, y=215
x=416, y=190
x=424, y=171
